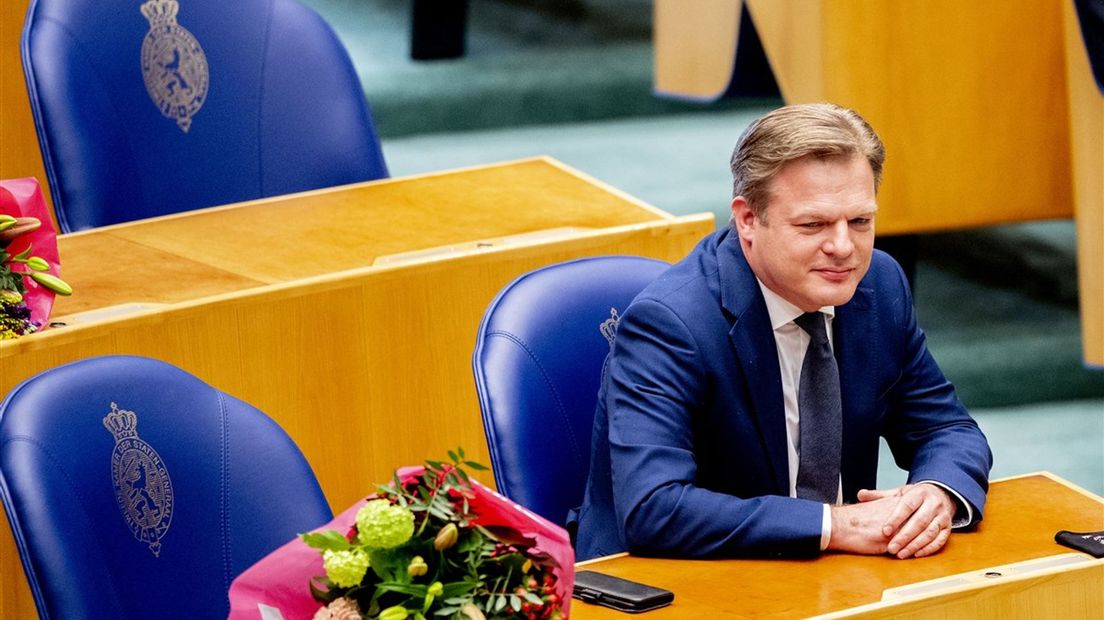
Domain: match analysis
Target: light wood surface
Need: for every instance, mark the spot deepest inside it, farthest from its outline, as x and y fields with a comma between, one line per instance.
x=1021, y=518
x=1087, y=138
x=974, y=121
x=695, y=56
x=285, y=304
x=19, y=154
x=979, y=105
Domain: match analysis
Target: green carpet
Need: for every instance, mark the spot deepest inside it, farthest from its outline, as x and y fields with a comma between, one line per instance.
x=527, y=63
x=1065, y=438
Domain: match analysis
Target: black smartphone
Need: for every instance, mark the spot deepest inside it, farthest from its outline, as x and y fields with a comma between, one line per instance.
x=620, y=594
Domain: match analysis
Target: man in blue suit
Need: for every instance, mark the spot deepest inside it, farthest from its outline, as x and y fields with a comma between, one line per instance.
x=699, y=447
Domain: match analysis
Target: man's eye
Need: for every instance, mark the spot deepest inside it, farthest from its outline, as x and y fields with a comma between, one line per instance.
x=861, y=221
x=811, y=225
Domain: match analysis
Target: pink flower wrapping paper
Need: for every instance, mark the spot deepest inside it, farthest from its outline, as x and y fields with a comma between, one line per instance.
x=23, y=198
x=281, y=579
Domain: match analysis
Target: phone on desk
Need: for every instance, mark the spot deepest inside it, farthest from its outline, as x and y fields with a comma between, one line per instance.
x=620, y=594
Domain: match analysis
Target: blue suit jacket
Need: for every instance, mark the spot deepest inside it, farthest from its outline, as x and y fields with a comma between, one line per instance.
x=689, y=447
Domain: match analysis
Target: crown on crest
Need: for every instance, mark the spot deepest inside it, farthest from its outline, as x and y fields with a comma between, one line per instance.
x=160, y=11
x=609, y=326
x=121, y=423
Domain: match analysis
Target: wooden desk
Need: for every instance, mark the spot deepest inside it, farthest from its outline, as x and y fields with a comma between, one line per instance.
x=291, y=305
x=19, y=154
x=1021, y=517
x=987, y=109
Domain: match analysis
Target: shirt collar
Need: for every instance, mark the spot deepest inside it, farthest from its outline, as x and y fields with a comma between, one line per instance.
x=781, y=311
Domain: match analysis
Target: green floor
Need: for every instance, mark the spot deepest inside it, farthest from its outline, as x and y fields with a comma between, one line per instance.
x=999, y=304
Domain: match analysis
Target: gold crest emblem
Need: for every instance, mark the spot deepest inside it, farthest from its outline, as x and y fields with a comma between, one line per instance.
x=609, y=326
x=142, y=485
x=174, y=66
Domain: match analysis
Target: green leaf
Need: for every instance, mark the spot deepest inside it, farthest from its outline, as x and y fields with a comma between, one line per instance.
x=460, y=449
x=328, y=540
x=515, y=602
x=453, y=457
x=403, y=588
x=476, y=466
x=500, y=603
x=533, y=598
x=455, y=589
x=446, y=611
x=389, y=565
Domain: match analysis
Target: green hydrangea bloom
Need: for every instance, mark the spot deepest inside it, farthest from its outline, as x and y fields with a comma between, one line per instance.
x=382, y=525
x=345, y=568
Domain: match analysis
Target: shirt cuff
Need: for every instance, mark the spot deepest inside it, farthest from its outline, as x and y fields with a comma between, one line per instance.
x=826, y=527
x=964, y=513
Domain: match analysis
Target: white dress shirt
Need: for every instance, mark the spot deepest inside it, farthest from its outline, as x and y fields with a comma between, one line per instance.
x=791, y=342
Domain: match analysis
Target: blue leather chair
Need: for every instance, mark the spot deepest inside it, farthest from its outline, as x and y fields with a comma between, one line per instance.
x=538, y=362
x=135, y=490
x=146, y=109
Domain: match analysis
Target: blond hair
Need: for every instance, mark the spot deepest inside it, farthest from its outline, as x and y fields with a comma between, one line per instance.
x=795, y=131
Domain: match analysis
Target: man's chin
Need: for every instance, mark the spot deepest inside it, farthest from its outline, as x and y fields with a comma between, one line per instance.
x=836, y=295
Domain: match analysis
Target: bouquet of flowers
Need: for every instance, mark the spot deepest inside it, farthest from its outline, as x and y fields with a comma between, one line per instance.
x=29, y=264
x=433, y=544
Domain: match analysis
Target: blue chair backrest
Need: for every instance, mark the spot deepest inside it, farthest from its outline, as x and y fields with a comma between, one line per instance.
x=135, y=490
x=538, y=362
x=146, y=109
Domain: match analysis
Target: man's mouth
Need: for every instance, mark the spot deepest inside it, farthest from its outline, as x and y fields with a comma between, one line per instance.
x=834, y=274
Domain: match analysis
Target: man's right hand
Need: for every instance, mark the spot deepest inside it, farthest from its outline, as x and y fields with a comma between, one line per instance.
x=910, y=521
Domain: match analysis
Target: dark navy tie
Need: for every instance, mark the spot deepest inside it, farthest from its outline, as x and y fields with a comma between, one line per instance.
x=821, y=415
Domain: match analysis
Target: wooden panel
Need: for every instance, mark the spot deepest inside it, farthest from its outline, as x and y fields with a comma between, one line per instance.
x=1087, y=137
x=367, y=367
x=695, y=47
x=1022, y=515
x=19, y=154
x=969, y=97
x=974, y=121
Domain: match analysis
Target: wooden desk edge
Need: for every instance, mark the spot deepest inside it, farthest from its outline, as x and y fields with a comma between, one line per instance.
x=546, y=159
x=1056, y=478
x=338, y=278
x=1007, y=581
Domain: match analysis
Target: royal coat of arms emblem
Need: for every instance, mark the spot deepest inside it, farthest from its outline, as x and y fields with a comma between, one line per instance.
x=609, y=327
x=143, y=488
x=174, y=66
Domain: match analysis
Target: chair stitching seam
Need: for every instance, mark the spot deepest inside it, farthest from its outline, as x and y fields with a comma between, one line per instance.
x=548, y=380
x=224, y=424
x=260, y=102
x=79, y=44
x=76, y=490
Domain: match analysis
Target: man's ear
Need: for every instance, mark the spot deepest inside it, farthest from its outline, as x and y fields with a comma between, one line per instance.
x=743, y=219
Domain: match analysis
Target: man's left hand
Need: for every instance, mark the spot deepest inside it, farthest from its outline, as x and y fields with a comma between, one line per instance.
x=920, y=524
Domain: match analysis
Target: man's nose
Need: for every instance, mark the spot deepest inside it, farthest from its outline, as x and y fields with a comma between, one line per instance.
x=839, y=241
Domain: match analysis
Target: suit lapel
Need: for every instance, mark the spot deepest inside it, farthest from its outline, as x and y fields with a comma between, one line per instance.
x=757, y=355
